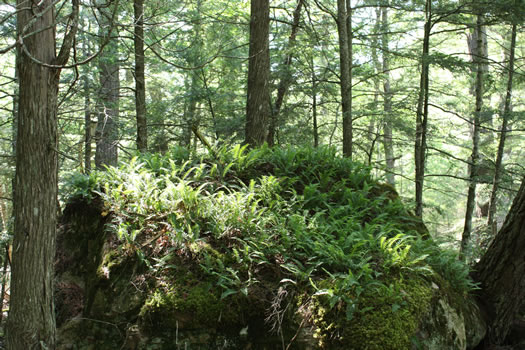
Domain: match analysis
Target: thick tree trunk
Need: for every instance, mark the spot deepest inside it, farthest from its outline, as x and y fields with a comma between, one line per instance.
x=284, y=82
x=387, y=100
x=422, y=114
x=492, y=223
x=140, y=80
x=31, y=321
x=258, y=94
x=471, y=197
x=501, y=272
x=345, y=77
x=106, y=153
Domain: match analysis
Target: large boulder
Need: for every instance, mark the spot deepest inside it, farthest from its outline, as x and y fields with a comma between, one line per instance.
x=293, y=251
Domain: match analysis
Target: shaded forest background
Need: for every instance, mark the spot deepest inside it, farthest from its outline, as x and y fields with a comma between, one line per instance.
x=426, y=93
x=196, y=63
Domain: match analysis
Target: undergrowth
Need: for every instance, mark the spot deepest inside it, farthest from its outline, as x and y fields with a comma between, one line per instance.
x=309, y=214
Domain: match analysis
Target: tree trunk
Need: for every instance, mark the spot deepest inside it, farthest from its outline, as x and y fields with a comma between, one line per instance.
x=88, y=129
x=284, y=82
x=314, y=107
x=344, y=61
x=140, y=80
x=14, y=125
x=106, y=153
x=371, y=134
x=258, y=94
x=348, y=131
x=478, y=47
x=422, y=114
x=191, y=116
x=501, y=273
x=492, y=223
x=210, y=104
x=471, y=198
x=87, y=126
x=31, y=321
x=194, y=89
x=387, y=100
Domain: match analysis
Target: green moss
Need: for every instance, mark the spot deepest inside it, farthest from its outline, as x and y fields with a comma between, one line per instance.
x=187, y=306
x=109, y=260
x=384, y=189
x=114, y=272
x=386, y=321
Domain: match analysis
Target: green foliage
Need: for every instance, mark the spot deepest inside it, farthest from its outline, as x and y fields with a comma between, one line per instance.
x=318, y=219
x=82, y=186
x=444, y=261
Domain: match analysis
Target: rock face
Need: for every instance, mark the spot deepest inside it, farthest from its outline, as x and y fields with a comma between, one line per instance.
x=107, y=299
x=451, y=322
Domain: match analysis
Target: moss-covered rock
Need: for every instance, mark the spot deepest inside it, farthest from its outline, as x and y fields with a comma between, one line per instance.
x=386, y=319
x=295, y=249
x=452, y=321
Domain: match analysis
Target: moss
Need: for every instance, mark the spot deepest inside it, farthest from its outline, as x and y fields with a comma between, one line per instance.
x=454, y=320
x=115, y=271
x=202, y=248
x=386, y=321
x=187, y=306
x=383, y=189
x=117, y=263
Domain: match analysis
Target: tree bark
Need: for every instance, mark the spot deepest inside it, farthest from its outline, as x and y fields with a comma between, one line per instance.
x=88, y=130
x=471, y=197
x=501, y=273
x=371, y=134
x=422, y=114
x=210, y=104
x=190, y=114
x=314, y=105
x=492, y=223
x=387, y=100
x=478, y=48
x=14, y=125
x=345, y=78
x=87, y=126
x=140, y=80
x=258, y=94
x=284, y=82
x=348, y=130
x=31, y=321
x=106, y=153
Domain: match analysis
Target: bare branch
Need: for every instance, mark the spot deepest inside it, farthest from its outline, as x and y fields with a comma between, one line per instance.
x=69, y=38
